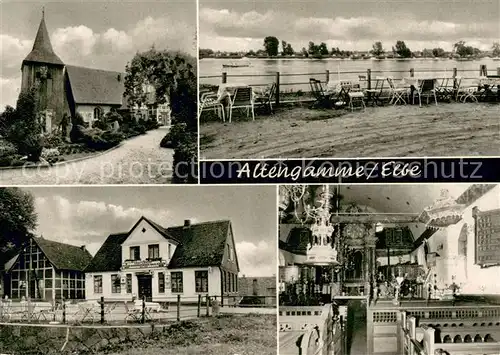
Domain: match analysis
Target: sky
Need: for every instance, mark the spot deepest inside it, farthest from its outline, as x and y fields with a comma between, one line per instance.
x=96, y=34
x=87, y=215
x=229, y=25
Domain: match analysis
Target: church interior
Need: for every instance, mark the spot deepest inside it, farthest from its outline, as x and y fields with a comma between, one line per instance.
x=389, y=269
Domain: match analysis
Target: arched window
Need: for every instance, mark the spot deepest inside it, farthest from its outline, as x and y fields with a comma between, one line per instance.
x=97, y=113
x=462, y=241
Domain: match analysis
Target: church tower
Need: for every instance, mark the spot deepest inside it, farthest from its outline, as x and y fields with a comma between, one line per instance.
x=44, y=70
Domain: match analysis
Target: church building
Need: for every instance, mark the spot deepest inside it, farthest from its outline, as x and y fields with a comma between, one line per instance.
x=66, y=90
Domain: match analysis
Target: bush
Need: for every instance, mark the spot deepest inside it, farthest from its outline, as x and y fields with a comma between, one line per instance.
x=76, y=135
x=151, y=124
x=7, y=149
x=97, y=139
x=12, y=160
x=53, y=141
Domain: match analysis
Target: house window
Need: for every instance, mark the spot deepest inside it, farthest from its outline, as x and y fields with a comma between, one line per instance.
x=176, y=279
x=229, y=252
x=230, y=282
x=154, y=251
x=97, y=283
x=115, y=284
x=129, y=283
x=169, y=251
x=135, y=253
x=161, y=282
x=201, y=280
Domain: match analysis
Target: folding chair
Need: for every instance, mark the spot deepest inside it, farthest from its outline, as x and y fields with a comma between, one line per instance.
x=396, y=93
x=322, y=99
x=468, y=93
x=242, y=98
x=356, y=95
x=209, y=101
x=425, y=88
x=131, y=313
x=444, y=91
x=267, y=97
x=374, y=95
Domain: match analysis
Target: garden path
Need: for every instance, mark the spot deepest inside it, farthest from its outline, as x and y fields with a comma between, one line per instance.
x=138, y=160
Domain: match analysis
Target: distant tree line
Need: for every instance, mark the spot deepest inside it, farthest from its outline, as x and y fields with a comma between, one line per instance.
x=271, y=48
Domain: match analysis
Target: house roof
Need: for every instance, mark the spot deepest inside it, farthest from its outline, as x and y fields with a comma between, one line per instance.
x=64, y=256
x=42, y=48
x=200, y=245
x=95, y=86
x=109, y=256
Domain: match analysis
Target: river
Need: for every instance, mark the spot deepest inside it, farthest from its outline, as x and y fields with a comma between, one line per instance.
x=263, y=71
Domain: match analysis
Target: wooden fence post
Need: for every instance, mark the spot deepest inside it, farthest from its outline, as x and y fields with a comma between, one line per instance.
x=64, y=311
x=327, y=76
x=412, y=72
x=224, y=78
x=277, y=88
x=207, y=303
x=199, y=306
x=178, y=308
x=483, y=71
x=369, y=82
x=102, y=309
x=143, y=311
x=455, y=79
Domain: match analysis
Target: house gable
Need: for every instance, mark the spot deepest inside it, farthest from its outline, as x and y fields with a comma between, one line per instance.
x=230, y=257
x=145, y=233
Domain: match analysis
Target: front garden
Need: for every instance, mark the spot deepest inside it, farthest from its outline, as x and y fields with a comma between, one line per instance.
x=21, y=145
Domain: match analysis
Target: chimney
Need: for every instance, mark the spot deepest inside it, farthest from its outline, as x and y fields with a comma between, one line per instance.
x=83, y=247
x=187, y=223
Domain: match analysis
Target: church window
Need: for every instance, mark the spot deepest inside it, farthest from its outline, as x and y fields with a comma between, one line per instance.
x=97, y=113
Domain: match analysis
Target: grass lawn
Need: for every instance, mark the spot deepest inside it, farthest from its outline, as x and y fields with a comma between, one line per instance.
x=450, y=129
x=224, y=335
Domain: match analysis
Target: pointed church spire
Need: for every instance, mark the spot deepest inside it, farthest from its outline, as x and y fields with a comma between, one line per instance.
x=42, y=51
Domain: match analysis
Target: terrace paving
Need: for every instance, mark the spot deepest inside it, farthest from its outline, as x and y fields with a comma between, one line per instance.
x=454, y=129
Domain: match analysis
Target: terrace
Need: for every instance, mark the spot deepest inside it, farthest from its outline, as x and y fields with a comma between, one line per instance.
x=462, y=121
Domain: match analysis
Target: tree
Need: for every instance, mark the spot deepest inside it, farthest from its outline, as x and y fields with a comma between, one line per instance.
x=438, y=52
x=173, y=76
x=18, y=219
x=204, y=53
x=402, y=50
x=427, y=53
x=23, y=128
x=283, y=47
x=7, y=118
x=496, y=49
x=271, y=45
x=377, y=49
x=304, y=52
x=313, y=49
x=322, y=49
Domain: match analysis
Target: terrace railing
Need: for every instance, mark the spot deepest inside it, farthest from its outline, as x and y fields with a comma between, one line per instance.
x=367, y=77
x=113, y=311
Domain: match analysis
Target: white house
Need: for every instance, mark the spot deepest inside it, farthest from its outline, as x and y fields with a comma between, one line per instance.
x=160, y=263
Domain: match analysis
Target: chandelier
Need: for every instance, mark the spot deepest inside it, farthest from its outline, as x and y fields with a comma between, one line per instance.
x=444, y=212
x=322, y=250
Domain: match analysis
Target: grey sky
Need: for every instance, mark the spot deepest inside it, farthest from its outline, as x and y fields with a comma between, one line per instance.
x=87, y=215
x=349, y=24
x=98, y=34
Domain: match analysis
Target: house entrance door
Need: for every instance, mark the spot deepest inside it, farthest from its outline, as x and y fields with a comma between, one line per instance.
x=145, y=283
